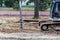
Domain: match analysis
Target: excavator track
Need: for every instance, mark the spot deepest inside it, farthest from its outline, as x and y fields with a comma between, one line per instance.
x=46, y=26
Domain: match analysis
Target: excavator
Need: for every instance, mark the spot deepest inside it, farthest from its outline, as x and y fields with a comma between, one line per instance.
x=54, y=21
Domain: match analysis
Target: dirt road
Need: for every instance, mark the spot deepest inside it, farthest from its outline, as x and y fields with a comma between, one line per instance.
x=27, y=13
x=10, y=28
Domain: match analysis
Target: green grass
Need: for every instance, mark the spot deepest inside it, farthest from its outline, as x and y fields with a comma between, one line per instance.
x=5, y=9
x=27, y=8
x=48, y=9
x=24, y=8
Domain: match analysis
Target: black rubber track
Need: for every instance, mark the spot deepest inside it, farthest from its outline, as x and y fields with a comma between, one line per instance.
x=42, y=28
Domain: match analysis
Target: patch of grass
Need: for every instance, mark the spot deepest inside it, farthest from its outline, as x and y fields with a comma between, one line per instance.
x=48, y=9
x=24, y=8
x=5, y=9
x=27, y=8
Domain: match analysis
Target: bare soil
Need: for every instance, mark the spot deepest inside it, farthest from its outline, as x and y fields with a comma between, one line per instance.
x=10, y=24
x=30, y=29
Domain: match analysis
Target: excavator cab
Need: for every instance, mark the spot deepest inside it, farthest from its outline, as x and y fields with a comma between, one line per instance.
x=54, y=24
x=55, y=9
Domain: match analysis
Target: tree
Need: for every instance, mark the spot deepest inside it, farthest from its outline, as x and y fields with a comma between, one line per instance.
x=0, y=3
x=16, y=5
x=36, y=9
x=43, y=4
x=9, y=3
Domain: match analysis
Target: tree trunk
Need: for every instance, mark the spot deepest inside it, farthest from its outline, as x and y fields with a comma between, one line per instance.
x=36, y=10
x=0, y=3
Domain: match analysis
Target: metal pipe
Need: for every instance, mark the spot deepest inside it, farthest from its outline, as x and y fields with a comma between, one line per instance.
x=21, y=20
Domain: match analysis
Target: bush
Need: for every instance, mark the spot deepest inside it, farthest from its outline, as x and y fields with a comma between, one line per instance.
x=9, y=3
x=16, y=5
x=43, y=6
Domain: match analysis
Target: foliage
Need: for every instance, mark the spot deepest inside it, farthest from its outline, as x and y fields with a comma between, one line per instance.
x=43, y=4
x=16, y=5
x=12, y=3
x=9, y=3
